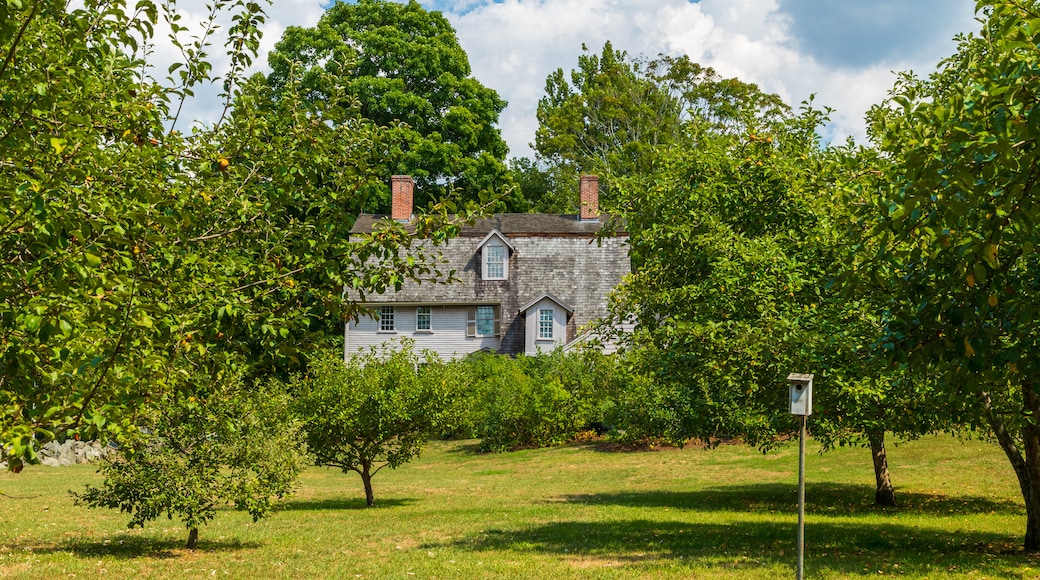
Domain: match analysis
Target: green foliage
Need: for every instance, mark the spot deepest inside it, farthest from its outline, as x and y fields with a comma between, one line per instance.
x=535, y=401
x=950, y=232
x=608, y=116
x=131, y=250
x=646, y=409
x=726, y=241
x=374, y=411
x=613, y=114
x=227, y=444
x=956, y=220
x=83, y=188
x=401, y=67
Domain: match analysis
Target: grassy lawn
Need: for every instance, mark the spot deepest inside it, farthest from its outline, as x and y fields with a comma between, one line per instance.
x=573, y=512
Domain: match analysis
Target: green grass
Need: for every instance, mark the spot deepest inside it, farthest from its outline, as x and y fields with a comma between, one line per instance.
x=572, y=512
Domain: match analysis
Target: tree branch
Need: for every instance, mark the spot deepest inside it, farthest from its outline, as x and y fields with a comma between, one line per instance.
x=111, y=360
x=18, y=39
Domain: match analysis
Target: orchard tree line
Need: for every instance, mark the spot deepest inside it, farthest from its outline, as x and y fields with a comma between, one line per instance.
x=164, y=283
x=158, y=273
x=902, y=272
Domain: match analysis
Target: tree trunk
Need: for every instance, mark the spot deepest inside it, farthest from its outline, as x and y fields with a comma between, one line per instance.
x=366, y=478
x=885, y=495
x=1026, y=462
x=1031, y=446
x=193, y=538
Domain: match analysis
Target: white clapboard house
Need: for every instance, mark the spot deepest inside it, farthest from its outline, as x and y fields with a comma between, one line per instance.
x=528, y=283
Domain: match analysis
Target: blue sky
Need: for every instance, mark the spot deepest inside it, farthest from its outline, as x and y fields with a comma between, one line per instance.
x=858, y=34
x=844, y=51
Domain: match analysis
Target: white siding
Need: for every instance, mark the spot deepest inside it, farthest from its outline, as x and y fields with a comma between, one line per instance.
x=447, y=337
x=532, y=344
x=606, y=345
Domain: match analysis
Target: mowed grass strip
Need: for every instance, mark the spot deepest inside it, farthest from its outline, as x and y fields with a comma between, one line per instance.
x=571, y=512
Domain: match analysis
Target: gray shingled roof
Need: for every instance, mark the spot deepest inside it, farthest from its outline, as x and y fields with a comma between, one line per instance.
x=567, y=307
x=510, y=224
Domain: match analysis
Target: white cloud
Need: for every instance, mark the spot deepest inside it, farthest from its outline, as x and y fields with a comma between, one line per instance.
x=206, y=106
x=514, y=45
x=791, y=47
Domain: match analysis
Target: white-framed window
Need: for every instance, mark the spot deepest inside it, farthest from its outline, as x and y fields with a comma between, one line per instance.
x=495, y=262
x=545, y=324
x=423, y=319
x=386, y=319
x=482, y=321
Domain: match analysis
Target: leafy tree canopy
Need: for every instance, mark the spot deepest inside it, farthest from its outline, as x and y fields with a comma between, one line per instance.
x=613, y=112
x=725, y=243
x=402, y=68
x=951, y=230
x=735, y=232
x=132, y=251
x=606, y=115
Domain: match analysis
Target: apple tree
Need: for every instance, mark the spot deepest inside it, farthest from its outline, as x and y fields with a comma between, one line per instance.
x=953, y=231
x=735, y=236
x=373, y=411
x=133, y=252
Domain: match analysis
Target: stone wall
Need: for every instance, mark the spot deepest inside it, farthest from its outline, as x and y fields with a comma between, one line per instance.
x=54, y=454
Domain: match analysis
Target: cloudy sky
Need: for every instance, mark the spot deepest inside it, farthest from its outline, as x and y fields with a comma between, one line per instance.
x=843, y=51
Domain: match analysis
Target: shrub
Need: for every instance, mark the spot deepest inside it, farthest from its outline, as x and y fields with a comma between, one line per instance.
x=373, y=411
x=535, y=401
x=225, y=444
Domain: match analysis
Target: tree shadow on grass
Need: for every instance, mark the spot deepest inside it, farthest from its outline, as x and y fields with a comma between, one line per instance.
x=333, y=504
x=128, y=547
x=468, y=447
x=843, y=549
x=820, y=498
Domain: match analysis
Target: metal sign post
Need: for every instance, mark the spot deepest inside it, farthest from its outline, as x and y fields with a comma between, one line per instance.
x=801, y=405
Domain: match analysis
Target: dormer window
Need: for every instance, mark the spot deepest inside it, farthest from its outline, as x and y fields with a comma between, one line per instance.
x=494, y=256
x=545, y=328
x=495, y=262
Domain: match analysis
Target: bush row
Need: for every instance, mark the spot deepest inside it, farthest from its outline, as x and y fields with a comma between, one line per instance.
x=532, y=401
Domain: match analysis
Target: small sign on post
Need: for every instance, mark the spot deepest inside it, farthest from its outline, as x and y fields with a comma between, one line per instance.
x=801, y=405
x=801, y=393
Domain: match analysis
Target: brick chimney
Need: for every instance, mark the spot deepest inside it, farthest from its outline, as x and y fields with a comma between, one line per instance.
x=401, y=188
x=589, y=198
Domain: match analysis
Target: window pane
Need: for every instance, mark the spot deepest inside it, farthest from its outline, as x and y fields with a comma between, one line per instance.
x=545, y=324
x=386, y=318
x=423, y=318
x=485, y=320
x=496, y=261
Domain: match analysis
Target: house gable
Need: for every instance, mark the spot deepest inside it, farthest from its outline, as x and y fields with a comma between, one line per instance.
x=495, y=251
x=559, y=264
x=545, y=323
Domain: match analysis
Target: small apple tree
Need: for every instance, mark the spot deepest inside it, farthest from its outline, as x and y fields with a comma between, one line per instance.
x=373, y=411
x=228, y=444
